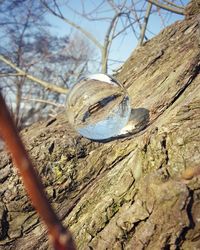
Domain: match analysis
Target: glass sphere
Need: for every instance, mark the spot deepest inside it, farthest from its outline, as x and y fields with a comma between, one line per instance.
x=98, y=107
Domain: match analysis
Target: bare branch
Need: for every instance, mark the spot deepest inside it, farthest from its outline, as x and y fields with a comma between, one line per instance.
x=146, y=18
x=134, y=12
x=173, y=4
x=44, y=101
x=130, y=25
x=61, y=237
x=89, y=16
x=107, y=41
x=82, y=30
x=10, y=74
x=179, y=11
x=47, y=85
x=115, y=7
x=161, y=17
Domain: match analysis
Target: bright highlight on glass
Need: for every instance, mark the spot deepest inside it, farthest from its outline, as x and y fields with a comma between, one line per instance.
x=98, y=107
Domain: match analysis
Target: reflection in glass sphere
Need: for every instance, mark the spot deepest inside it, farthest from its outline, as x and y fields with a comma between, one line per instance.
x=98, y=107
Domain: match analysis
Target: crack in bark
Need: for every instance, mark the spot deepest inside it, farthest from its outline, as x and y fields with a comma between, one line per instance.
x=193, y=70
x=164, y=146
x=181, y=238
x=133, y=230
x=4, y=225
x=85, y=189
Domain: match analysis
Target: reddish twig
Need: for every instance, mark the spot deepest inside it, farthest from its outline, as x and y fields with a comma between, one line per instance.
x=61, y=237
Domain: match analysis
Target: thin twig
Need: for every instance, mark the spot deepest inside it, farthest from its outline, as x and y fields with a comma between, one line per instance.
x=66, y=20
x=161, y=17
x=107, y=42
x=146, y=18
x=10, y=74
x=179, y=11
x=61, y=237
x=173, y=4
x=43, y=101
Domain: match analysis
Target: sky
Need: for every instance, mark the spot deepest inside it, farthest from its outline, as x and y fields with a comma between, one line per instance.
x=123, y=45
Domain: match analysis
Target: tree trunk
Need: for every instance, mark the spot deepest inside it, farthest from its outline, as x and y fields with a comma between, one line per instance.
x=130, y=193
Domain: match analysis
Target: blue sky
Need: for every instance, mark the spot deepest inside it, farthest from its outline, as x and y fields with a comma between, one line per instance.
x=123, y=45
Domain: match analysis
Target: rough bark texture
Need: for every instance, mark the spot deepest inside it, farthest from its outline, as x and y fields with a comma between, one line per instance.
x=127, y=193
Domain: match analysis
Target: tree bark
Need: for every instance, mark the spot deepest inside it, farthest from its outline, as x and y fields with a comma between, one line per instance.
x=130, y=193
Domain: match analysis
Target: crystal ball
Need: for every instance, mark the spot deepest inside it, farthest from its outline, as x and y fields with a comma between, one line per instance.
x=98, y=107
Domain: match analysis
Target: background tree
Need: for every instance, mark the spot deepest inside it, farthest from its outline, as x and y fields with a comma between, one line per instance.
x=120, y=17
x=32, y=49
x=37, y=66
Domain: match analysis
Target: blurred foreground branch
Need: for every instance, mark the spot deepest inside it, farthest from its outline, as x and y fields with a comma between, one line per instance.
x=60, y=237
